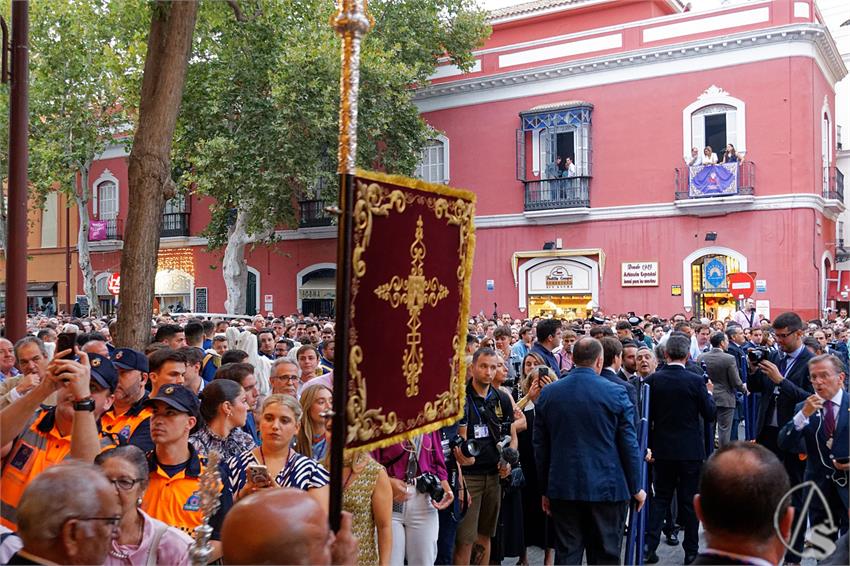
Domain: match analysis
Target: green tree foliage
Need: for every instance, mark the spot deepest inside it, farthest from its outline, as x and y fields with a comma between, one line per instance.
x=258, y=128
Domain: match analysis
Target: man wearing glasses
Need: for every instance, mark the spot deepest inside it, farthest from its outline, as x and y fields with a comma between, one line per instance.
x=68, y=515
x=285, y=376
x=782, y=378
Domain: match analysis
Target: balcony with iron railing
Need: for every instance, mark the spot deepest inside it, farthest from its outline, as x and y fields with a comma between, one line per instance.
x=712, y=181
x=175, y=224
x=548, y=194
x=106, y=229
x=833, y=184
x=313, y=213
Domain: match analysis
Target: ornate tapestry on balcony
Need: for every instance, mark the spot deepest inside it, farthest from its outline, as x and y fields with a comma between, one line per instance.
x=411, y=264
x=713, y=180
x=97, y=230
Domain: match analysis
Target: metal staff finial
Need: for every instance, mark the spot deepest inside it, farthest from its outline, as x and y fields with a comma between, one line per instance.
x=209, y=491
x=351, y=22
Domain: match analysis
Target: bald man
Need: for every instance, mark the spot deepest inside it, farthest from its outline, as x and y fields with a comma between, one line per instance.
x=284, y=526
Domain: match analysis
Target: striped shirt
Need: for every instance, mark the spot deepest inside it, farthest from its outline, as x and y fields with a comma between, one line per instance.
x=299, y=472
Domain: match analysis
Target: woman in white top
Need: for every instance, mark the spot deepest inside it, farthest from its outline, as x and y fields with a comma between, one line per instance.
x=708, y=156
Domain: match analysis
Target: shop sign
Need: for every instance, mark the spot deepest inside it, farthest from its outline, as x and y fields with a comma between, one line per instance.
x=644, y=274
x=715, y=273
x=491, y=285
x=559, y=278
x=317, y=294
x=761, y=285
x=676, y=290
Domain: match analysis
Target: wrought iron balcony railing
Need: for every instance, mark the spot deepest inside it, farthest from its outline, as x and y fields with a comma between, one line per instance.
x=722, y=180
x=547, y=194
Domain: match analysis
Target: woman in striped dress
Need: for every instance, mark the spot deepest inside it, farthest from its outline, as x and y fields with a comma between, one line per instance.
x=284, y=467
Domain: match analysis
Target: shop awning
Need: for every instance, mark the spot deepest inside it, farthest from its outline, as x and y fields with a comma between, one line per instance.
x=35, y=289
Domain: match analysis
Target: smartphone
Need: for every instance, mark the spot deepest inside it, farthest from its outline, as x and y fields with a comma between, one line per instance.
x=542, y=372
x=258, y=474
x=66, y=341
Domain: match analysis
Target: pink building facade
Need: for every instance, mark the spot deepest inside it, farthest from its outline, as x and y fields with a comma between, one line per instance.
x=624, y=90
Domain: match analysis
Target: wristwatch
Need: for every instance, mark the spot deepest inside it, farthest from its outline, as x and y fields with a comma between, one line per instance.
x=86, y=404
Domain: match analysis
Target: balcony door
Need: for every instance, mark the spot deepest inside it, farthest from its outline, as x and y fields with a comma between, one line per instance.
x=107, y=200
x=715, y=126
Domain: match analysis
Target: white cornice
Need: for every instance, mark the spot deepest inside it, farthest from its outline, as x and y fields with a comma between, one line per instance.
x=826, y=53
x=693, y=207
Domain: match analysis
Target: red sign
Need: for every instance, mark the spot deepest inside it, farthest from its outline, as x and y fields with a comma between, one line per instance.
x=114, y=284
x=741, y=285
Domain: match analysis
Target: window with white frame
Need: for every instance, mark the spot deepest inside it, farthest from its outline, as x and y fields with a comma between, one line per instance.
x=107, y=200
x=434, y=161
x=714, y=119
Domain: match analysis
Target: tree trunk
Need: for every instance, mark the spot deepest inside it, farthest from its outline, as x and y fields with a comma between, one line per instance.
x=169, y=46
x=234, y=267
x=83, y=253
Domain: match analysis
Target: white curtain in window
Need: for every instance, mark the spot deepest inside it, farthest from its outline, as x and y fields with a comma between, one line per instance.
x=432, y=162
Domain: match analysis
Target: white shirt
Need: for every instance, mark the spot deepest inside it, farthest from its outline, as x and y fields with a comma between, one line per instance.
x=800, y=420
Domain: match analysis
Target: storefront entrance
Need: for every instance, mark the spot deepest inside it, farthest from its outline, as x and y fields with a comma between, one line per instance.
x=558, y=306
x=711, y=296
x=560, y=287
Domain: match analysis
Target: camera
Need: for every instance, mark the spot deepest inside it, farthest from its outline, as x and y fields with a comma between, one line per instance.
x=430, y=484
x=638, y=333
x=469, y=448
x=507, y=455
x=758, y=354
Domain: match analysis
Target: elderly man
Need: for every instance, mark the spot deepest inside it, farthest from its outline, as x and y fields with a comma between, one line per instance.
x=32, y=362
x=285, y=377
x=68, y=515
x=284, y=526
x=7, y=360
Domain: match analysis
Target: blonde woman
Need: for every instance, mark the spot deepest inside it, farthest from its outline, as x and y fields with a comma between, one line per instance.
x=314, y=438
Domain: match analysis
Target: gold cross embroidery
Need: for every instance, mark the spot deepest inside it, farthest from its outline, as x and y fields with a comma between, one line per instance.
x=415, y=292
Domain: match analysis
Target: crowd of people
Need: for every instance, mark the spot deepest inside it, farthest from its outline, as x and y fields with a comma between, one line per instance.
x=104, y=447
x=709, y=157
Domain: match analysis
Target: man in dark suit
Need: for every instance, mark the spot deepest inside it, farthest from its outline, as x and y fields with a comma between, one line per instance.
x=783, y=381
x=678, y=398
x=612, y=361
x=740, y=492
x=822, y=422
x=588, y=460
x=723, y=373
x=736, y=348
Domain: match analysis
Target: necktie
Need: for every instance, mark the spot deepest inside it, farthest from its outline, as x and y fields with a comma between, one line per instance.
x=828, y=419
x=783, y=364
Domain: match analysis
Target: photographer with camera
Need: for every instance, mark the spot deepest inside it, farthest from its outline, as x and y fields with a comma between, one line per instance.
x=417, y=471
x=487, y=419
x=782, y=378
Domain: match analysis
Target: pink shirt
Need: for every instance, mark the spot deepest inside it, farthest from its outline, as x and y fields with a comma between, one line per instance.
x=173, y=547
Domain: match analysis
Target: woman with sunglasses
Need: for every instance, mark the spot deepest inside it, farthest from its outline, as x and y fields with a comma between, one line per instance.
x=143, y=539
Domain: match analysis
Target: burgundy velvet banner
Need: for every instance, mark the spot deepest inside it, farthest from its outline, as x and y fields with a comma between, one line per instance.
x=412, y=261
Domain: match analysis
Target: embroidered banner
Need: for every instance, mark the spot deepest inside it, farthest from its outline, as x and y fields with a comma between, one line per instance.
x=713, y=180
x=412, y=262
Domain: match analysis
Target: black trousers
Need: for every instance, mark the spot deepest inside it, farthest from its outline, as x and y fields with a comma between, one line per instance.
x=681, y=476
x=596, y=527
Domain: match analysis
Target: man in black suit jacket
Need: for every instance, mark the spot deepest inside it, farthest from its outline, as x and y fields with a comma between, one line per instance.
x=677, y=398
x=783, y=381
x=741, y=487
x=612, y=354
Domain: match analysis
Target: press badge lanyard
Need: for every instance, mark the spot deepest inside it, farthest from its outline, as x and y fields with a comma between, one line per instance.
x=481, y=430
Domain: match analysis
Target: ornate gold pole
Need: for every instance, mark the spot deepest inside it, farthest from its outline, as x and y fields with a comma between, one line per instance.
x=352, y=23
x=210, y=490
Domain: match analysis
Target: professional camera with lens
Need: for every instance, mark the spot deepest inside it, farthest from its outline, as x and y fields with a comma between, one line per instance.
x=469, y=448
x=638, y=332
x=758, y=354
x=430, y=484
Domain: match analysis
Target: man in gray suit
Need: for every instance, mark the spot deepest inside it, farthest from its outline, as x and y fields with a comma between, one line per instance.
x=723, y=372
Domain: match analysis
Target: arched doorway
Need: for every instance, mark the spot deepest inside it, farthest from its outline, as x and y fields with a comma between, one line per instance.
x=317, y=289
x=704, y=284
x=562, y=287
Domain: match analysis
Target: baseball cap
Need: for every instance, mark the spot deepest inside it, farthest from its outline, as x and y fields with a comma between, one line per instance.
x=103, y=372
x=178, y=397
x=127, y=358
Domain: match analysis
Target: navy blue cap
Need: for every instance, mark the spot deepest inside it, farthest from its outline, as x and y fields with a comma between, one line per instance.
x=103, y=372
x=179, y=397
x=127, y=358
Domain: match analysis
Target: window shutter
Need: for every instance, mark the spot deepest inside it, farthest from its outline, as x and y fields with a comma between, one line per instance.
x=731, y=129
x=697, y=131
x=520, y=155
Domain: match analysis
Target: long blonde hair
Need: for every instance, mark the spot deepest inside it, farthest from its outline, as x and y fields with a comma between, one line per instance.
x=304, y=440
